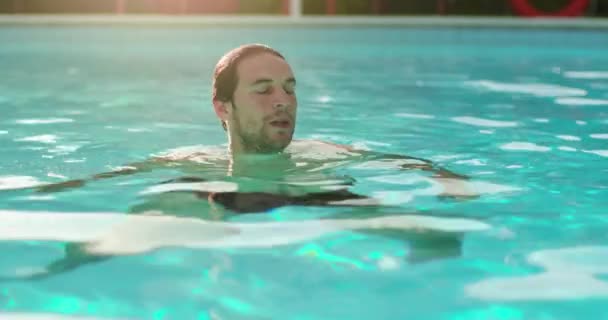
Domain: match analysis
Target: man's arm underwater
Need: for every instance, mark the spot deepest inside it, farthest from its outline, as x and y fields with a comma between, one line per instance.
x=131, y=168
x=454, y=185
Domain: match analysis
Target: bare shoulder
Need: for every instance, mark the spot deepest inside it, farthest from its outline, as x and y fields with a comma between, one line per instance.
x=320, y=149
x=338, y=146
x=197, y=153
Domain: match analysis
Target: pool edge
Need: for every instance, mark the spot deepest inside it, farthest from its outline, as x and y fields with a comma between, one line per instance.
x=307, y=21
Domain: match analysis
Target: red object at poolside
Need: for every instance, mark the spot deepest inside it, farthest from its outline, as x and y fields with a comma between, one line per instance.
x=188, y=6
x=330, y=7
x=119, y=6
x=377, y=6
x=213, y=6
x=441, y=7
x=573, y=9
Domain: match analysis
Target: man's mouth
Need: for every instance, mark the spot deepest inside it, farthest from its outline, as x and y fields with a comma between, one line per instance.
x=284, y=123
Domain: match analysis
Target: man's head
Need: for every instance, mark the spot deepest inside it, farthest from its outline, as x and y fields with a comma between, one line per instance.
x=254, y=97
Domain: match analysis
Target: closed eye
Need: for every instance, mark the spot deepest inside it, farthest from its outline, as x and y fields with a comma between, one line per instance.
x=290, y=88
x=265, y=90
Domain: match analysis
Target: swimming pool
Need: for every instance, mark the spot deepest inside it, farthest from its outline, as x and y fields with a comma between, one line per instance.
x=523, y=112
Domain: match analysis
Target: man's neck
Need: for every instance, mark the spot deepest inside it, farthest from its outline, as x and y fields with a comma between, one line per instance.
x=259, y=164
x=238, y=149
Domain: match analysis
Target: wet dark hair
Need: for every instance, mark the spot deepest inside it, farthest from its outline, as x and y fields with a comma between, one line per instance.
x=225, y=78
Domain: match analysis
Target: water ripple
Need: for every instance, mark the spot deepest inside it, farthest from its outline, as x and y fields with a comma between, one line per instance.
x=569, y=275
x=485, y=122
x=17, y=182
x=568, y=138
x=414, y=115
x=586, y=74
x=45, y=138
x=524, y=146
x=541, y=120
x=602, y=153
x=211, y=186
x=599, y=136
x=536, y=89
x=324, y=99
x=44, y=121
x=117, y=233
x=581, y=102
x=64, y=149
x=46, y=316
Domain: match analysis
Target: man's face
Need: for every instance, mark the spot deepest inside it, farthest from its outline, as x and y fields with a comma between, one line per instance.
x=264, y=104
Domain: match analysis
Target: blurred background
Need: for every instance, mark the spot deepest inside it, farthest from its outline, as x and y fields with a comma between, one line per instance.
x=591, y=8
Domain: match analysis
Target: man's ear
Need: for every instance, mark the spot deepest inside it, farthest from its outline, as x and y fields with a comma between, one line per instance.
x=222, y=109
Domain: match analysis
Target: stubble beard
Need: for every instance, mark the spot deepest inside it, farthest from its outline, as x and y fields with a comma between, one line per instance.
x=256, y=142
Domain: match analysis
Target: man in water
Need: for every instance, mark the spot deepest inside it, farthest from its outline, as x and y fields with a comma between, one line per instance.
x=254, y=97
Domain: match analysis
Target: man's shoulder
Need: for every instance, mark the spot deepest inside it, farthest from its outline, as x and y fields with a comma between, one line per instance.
x=196, y=153
x=320, y=149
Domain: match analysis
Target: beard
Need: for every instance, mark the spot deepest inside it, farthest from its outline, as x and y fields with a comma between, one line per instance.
x=258, y=141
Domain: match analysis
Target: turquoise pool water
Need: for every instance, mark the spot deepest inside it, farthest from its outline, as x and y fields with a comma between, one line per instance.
x=522, y=112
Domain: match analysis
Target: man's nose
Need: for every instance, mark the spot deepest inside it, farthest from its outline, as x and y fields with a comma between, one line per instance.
x=281, y=105
x=282, y=100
